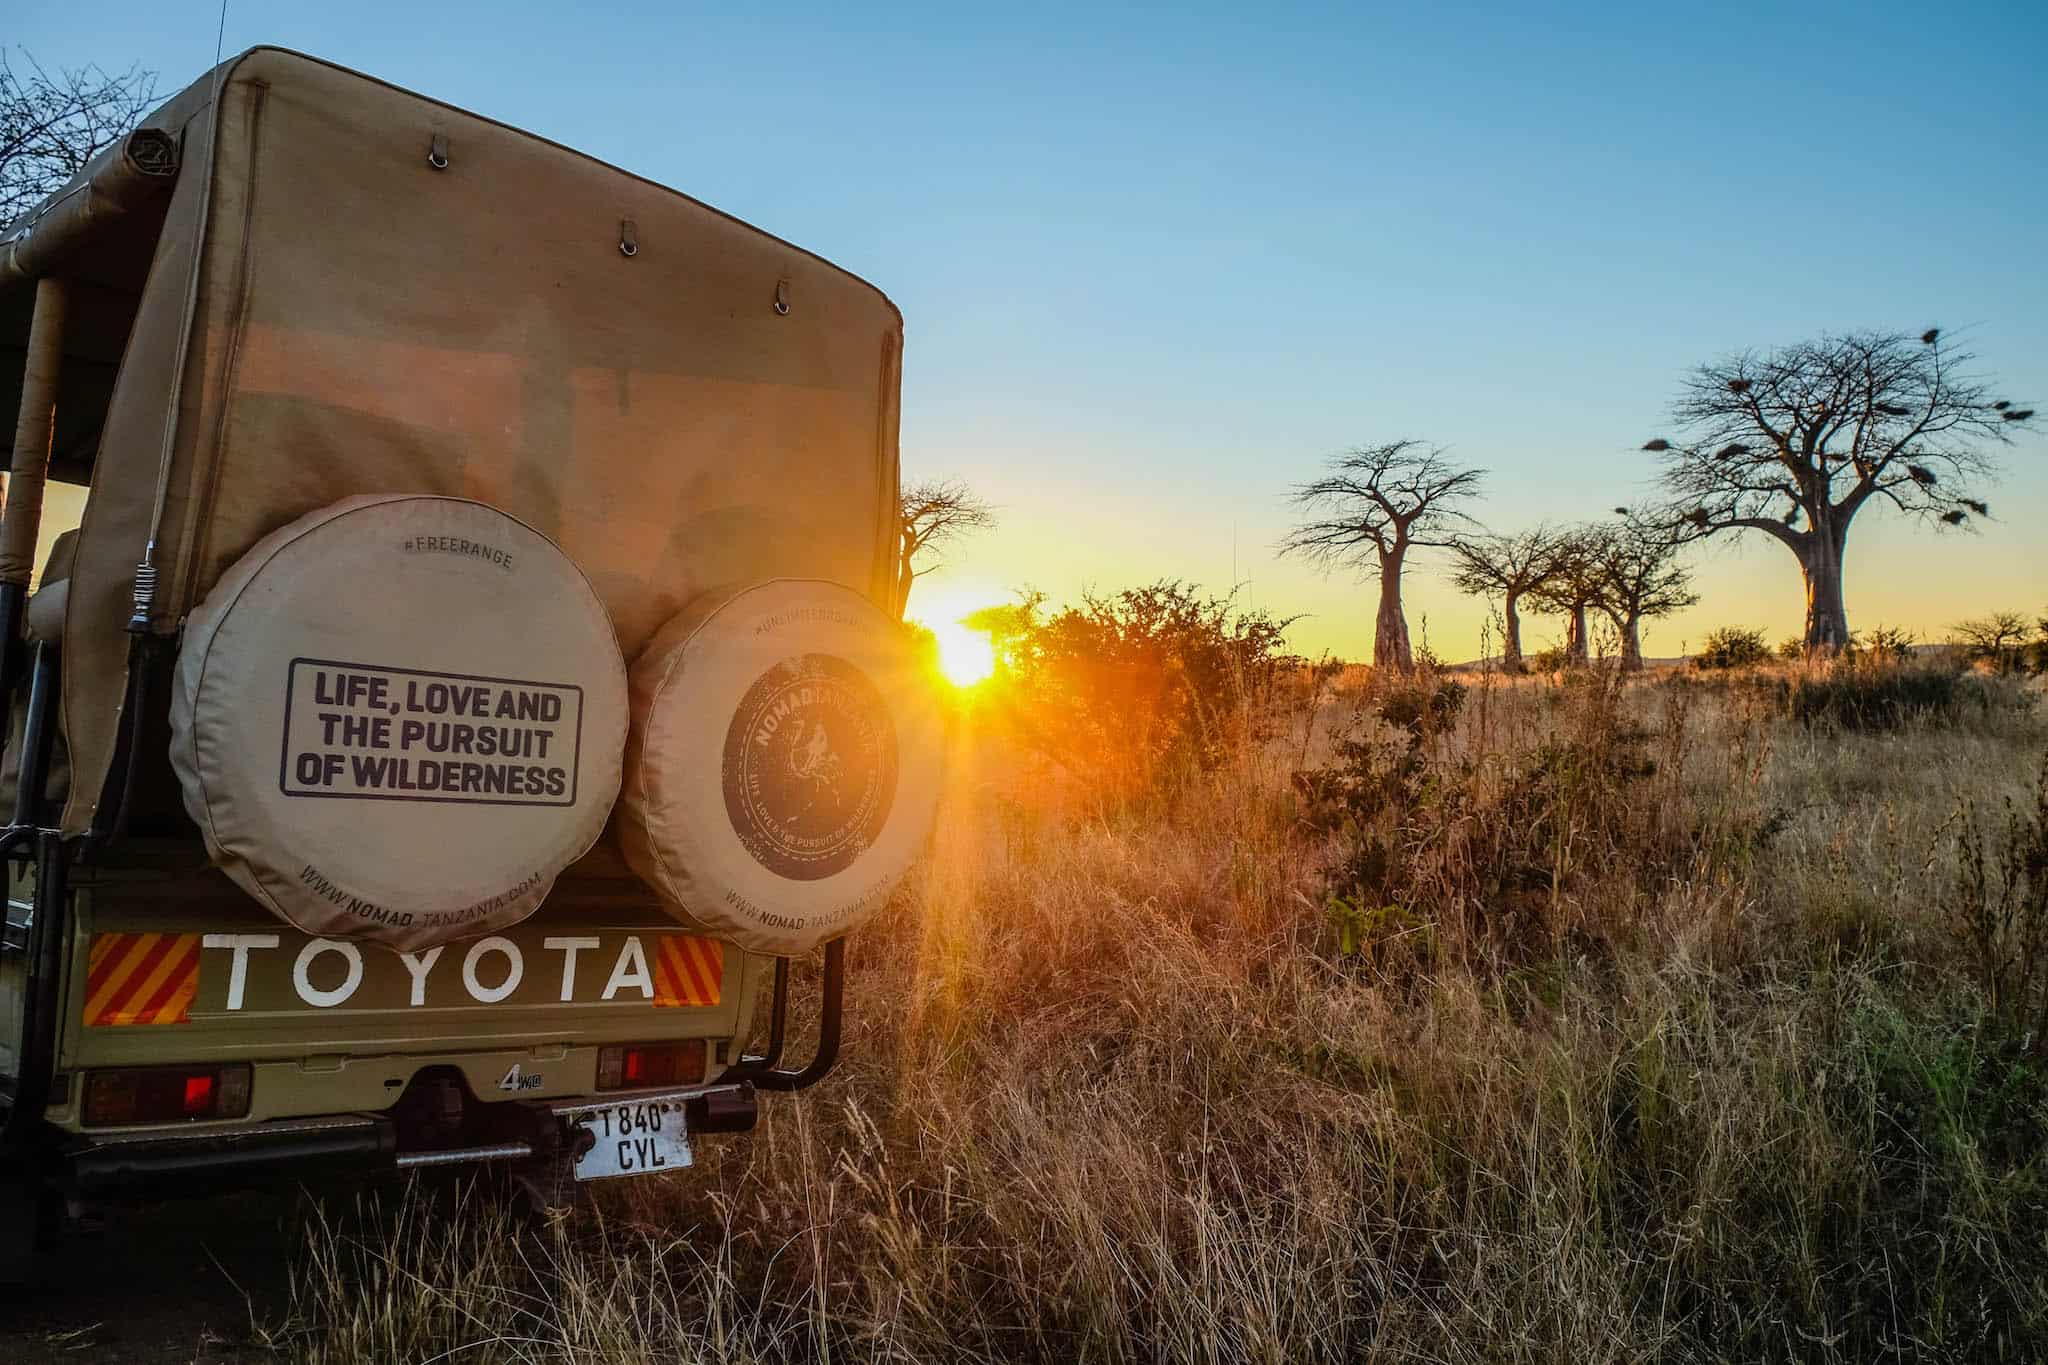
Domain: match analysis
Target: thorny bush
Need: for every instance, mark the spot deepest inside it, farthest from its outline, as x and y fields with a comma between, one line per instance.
x=1127, y=689
x=2000, y=912
x=1489, y=846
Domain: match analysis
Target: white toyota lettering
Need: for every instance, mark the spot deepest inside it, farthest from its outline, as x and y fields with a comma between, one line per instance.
x=238, y=964
x=630, y=974
x=569, y=947
x=418, y=965
x=630, y=955
x=302, y=981
x=515, y=968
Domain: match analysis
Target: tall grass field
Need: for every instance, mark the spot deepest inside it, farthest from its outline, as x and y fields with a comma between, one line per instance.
x=1579, y=1018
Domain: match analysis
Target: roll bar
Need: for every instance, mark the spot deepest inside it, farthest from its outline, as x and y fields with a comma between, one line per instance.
x=121, y=178
x=765, y=1070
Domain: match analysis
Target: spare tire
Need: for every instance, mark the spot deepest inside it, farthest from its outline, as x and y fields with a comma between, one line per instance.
x=399, y=718
x=784, y=764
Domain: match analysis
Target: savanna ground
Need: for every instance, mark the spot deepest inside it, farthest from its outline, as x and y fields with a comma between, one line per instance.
x=1688, y=1018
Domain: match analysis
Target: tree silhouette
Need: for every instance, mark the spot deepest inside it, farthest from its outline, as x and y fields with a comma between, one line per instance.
x=1376, y=504
x=1640, y=578
x=1998, y=638
x=1576, y=583
x=51, y=124
x=930, y=514
x=1794, y=442
x=1510, y=567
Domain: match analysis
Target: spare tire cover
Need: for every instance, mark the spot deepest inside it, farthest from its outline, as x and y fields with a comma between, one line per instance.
x=784, y=764
x=399, y=718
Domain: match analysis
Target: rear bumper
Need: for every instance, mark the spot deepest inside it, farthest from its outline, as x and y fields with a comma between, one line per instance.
x=160, y=1164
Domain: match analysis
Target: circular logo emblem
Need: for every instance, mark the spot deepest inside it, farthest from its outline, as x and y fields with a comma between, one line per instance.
x=810, y=767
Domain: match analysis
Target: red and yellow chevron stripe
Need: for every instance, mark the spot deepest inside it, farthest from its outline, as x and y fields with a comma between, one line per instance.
x=687, y=970
x=141, y=978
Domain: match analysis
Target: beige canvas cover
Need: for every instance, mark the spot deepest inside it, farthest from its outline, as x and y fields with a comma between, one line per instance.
x=676, y=399
x=413, y=762
x=784, y=764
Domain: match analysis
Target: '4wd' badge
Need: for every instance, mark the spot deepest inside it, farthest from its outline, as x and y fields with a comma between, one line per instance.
x=810, y=766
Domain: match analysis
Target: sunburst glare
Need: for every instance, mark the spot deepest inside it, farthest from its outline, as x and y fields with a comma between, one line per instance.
x=966, y=656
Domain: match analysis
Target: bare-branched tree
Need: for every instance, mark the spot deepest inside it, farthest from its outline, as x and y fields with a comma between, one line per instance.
x=52, y=123
x=1509, y=567
x=1374, y=506
x=1794, y=442
x=1998, y=638
x=1577, y=582
x=1641, y=579
x=930, y=514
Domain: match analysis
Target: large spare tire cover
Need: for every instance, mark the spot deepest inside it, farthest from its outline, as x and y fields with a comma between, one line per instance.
x=783, y=766
x=399, y=718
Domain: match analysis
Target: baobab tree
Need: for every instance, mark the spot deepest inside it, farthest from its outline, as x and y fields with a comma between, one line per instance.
x=52, y=123
x=1576, y=583
x=929, y=514
x=1509, y=567
x=1640, y=577
x=1793, y=443
x=1375, y=505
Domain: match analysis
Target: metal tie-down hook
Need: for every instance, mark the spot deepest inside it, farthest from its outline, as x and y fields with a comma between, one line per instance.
x=629, y=237
x=782, y=297
x=437, y=152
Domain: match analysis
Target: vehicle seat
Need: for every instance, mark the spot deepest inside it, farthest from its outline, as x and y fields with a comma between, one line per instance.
x=45, y=616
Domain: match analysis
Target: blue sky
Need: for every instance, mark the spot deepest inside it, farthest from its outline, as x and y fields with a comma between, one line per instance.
x=1156, y=264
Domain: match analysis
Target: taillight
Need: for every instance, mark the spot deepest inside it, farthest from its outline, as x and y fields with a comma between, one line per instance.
x=642, y=1066
x=165, y=1094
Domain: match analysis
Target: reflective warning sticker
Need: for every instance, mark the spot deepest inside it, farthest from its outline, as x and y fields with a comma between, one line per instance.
x=141, y=979
x=687, y=970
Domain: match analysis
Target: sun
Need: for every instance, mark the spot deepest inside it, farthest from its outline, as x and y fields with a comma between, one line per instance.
x=966, y=656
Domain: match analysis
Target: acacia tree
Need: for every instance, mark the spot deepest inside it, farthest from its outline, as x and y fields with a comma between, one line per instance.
x=1374, y=506
x=1794, y=442
x=1998, y=638
x=929, y=514
x=52, y=123
x=1510, y=567
x=1640, y=577
x=1576, y=583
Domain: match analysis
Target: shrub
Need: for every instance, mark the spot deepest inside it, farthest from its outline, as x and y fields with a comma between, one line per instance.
x=1888, y=644
x=1122, y=688
x=1875, y=695
x=1417, y=708
x=1732, y=647
x=1490, y=851
x=1999, y=910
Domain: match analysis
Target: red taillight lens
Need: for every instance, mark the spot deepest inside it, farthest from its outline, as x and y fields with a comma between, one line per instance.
x=645, y=1066
x=165, y=1094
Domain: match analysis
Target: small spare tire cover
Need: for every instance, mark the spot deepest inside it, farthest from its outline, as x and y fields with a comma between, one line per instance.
x=399, y=718
x=783, y=766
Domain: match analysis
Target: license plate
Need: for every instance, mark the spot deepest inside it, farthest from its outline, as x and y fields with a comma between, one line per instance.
x=632, y=1137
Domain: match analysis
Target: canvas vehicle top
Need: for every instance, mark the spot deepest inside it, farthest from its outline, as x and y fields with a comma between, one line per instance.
x=329, y=355
x=393, y=296
x=295, y=285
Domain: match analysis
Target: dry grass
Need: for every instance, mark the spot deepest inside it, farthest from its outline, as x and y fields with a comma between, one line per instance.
x=1702, y=1073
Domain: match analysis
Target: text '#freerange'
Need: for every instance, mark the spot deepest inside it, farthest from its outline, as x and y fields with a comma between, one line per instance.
x=370, y=732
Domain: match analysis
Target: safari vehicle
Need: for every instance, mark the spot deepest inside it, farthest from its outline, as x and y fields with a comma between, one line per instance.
x=341, y=834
